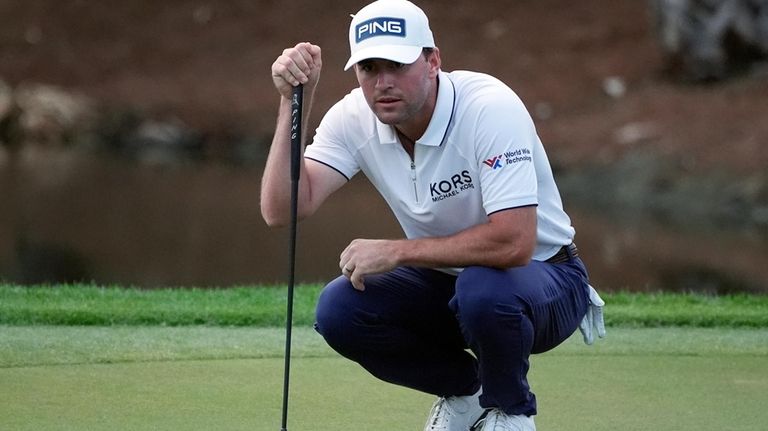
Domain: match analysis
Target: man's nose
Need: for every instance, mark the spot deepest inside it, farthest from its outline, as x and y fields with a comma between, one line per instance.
x=384, y=80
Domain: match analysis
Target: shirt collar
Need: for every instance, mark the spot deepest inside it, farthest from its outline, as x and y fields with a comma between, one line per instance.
x=438, y=126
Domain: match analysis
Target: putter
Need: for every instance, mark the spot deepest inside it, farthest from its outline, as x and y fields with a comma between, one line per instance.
x=296, y=104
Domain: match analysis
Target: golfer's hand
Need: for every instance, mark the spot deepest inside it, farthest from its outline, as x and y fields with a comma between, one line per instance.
x=593, y=321
x=367, y=256
x=298, y=65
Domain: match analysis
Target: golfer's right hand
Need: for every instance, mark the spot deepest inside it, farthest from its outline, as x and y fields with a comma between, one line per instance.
x=298, y=65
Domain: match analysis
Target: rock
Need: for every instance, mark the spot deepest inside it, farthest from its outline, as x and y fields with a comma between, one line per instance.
x=614, y=87
x=637, y=132
x=711, y=39
x=48, y=115
x=156, y=142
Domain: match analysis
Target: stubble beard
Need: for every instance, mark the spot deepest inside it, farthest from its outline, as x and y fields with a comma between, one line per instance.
x=401, y=114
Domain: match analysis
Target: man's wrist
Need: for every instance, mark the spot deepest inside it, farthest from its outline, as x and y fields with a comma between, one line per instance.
x=400, y=252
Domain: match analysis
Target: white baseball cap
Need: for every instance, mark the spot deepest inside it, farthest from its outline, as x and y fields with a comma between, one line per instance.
x=395, y=30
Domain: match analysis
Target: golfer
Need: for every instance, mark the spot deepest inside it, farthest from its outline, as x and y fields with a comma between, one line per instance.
x=488, y=273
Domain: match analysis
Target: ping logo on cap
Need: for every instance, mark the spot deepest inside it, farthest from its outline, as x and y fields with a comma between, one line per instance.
x=379, y=27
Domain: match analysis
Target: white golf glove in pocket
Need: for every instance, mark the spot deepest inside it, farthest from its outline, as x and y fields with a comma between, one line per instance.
x=593, y=321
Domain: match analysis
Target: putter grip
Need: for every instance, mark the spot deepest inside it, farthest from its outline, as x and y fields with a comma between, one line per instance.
x=297, y=101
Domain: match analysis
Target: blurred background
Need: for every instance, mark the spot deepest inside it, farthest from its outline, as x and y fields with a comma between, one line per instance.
x=133, y=134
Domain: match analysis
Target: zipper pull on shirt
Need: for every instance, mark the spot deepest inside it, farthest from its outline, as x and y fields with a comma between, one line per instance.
x=413, y=179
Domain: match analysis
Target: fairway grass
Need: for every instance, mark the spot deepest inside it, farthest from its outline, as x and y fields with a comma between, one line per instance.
x=211, y=378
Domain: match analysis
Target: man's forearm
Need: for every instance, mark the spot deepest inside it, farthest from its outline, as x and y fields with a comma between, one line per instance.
x=506, y=240
x=480, y=245
x=276, y=181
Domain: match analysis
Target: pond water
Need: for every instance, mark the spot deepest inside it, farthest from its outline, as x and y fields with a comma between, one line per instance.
x=68, y=216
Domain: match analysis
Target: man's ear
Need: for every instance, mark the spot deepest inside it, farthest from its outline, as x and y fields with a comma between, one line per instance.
x=434, y=61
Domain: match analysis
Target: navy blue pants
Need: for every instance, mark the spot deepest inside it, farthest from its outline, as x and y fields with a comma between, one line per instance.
x=448, y=335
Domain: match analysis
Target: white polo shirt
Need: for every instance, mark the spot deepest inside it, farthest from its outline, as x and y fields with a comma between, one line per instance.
x=480, y=154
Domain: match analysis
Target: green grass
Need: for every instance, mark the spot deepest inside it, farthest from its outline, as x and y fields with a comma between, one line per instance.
x=23, y=346
x=33, y=346
x=692, y=309
x=96, y=305
x=265, y=306
x=211, y=378
x=103, y=358
x=327, y=394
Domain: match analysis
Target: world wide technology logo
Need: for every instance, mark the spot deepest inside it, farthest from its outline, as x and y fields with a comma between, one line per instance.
x=494, y=163
x=509, y=158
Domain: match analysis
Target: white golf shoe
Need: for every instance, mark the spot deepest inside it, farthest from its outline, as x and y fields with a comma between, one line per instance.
x=454, y=413
x=496, y=420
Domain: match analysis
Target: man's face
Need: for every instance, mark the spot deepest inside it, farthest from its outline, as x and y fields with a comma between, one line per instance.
x=399, y=94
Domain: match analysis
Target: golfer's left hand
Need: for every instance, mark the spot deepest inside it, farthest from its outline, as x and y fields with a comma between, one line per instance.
x=593, y=321
x=367, y=256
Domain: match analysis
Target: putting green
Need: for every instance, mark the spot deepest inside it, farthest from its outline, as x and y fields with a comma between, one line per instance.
x=636, y=380
x=326, y=394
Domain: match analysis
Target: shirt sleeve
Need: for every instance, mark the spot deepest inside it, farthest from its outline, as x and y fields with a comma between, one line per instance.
x=505, y=142
x=331, y=144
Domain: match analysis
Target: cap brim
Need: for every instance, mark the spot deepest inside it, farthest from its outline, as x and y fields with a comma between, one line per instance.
x=397, y=53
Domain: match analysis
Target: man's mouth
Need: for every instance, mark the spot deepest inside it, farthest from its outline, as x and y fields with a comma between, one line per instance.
x=387, y=101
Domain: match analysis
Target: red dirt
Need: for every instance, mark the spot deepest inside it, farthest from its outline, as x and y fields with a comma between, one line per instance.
x=208, y=64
